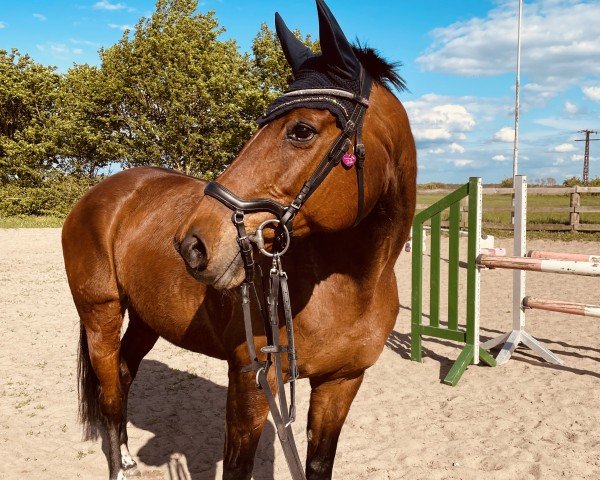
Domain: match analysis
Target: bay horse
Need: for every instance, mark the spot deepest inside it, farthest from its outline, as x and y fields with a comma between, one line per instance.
x=148, y=242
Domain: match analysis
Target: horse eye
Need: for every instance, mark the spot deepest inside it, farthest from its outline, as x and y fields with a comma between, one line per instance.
x=301, y=133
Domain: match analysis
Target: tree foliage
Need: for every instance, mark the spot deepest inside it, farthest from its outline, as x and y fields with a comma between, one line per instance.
x=28, y=93
x=577, y=181
x=184, y=99
x=86, y=128
x=170, y=93
x=270, y=64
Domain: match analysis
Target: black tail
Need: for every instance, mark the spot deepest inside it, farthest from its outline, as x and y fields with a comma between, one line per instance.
x=90, y=415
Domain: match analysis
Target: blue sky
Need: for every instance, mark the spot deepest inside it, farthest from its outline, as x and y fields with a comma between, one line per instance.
x=459, y=60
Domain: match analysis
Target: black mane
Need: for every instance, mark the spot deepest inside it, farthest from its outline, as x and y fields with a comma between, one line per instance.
x=380, y=69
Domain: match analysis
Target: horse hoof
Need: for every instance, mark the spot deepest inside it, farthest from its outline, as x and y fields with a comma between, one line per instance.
x=127, y=461
x=133, y=471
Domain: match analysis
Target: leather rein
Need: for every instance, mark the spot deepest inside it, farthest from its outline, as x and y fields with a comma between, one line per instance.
x=277, y=287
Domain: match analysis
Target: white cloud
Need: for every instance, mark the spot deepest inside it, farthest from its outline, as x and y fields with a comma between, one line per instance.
x=58, y=50
x=120, y=27
x=499, y=158
x=2, y=25
x=107, y=5
x=436, y=151
x=558, y=161
x=559, y=45
x=435, y=118
x=576, y=157
x=456, y=148
x=462, y=163
x=53, y=47
x=431, y=134
x=505, y=134
x=88, y=43
x=593, y=93
x=537, y=94
x=564, y=147
x=560, y=123
x=571, y=108
x=40, y=17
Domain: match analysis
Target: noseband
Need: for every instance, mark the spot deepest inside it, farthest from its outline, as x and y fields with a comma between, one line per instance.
x=278, y=286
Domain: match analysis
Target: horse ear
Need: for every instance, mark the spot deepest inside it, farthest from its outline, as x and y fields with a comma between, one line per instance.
x=334, y=45
x=296, y=53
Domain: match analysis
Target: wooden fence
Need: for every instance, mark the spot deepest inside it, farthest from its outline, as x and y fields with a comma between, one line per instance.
x=575, y=209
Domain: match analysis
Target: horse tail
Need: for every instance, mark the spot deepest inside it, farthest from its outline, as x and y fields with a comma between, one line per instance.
x=90, y=415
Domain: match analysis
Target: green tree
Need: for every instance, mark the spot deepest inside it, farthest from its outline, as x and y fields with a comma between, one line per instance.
x=183, y=98
x=28, y=93
x=270, y=64
x=86, y=128
x=572, y=182
x=577, y=181
x=595, y=182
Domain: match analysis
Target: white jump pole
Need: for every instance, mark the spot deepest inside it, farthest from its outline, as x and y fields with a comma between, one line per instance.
x=568, y=267
x=576, y=257
x=562, y=307
x=518, y=334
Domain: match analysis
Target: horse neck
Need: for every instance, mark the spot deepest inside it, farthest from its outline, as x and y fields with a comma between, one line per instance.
x=361, y=254
x=366, y=250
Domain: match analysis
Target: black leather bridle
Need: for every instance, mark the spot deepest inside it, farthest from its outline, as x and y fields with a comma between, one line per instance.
x=286, y=213
x=278, y=285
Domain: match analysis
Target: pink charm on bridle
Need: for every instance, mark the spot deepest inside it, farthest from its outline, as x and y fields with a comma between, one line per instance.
x=348, y=160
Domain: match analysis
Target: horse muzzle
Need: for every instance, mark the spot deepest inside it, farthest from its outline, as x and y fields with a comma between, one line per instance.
x=212, y=261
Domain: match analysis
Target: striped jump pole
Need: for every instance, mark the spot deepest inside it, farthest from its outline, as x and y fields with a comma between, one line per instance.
x=541, y=265
x=512, y=339
x=562, y=307
x=576, y=257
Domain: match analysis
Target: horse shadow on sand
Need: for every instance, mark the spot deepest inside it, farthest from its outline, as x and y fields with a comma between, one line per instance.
x=186, y=415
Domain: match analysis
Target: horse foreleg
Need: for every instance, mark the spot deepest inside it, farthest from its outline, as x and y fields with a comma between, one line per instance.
x=329, y=405
x=247, y=411
x=135, y=345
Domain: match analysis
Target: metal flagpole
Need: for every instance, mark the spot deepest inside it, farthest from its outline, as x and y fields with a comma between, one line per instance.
x=517, y=93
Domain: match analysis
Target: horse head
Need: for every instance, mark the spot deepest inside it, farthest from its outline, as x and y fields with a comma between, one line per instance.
x=337, y=114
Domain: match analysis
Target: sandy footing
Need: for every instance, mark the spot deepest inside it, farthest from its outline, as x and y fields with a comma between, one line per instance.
x=525, y=420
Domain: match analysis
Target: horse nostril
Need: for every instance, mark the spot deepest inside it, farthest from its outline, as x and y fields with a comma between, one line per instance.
x=194, y=252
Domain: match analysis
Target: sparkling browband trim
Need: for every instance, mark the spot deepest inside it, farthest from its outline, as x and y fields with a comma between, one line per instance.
x=311, y=99
x=331, y=92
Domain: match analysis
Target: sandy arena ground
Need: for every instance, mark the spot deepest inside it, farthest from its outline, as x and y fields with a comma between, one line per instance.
x=526, y=420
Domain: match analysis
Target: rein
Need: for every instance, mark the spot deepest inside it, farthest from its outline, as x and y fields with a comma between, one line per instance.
x=284, y=415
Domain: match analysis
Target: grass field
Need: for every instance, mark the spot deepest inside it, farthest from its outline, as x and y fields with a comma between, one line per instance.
x=532, y=202
x=428, y=199
x=31, y=222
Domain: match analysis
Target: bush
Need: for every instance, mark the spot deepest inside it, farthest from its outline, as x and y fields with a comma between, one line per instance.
x=572, y=182
x=433, y=186
x=595, y=182
x=54, y=197
x=576, y=181
x=507, y=183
